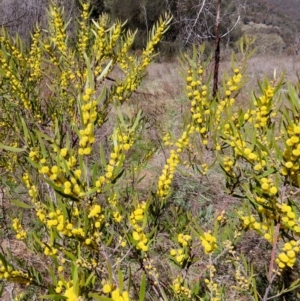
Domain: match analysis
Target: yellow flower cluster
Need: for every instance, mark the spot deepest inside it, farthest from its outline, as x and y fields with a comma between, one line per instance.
x=248, y=221
x=166, y=139
x=95, y=211
x=125, y=139
x=292, y=153
x=34, y=154
x=241, y=149
x=89, y=113
x=241, y=280
x=268, y=187
x=64, y=81
x=59, y=33
x=69, y=293
x=180, y=288
x=87, y=264
x=200, y=105
x=123, y=142
x=183, y=141
x=265, y=227
x=287, y=258
x=35, y=58
x=20, y=233
x=136, y=217
x=184, y=239
x=107, y=287
x=141, y=239
x=117, y=295
x=26, y=180
x=115, y=34
x=289, y=218
x=83, y=35
x=33, y=193
x=209, y=242
x=49, y=251
x=238, y=145
x=221, y=217
x=57, y=220
x=123, y=57
x=151, y=269
x=127, y=86
x=165, y=180
x=213, y=287
x=231, y=86
x=179, y=255
x=100, y=41
x=261, y=115
x=56, y=173
x=138, y=214
x=249, y=154
x=44, y=169
x=72, y=185
x=96, y=214
x=15, y=83
x=228, y=164
x=7, y=272
x=50, y=52
x=154, y=40
x=32, y=190
x=13, y=49
x=113, y=201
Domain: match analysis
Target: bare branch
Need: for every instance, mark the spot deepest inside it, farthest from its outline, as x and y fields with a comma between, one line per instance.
x=235, y=24
x=195, y=21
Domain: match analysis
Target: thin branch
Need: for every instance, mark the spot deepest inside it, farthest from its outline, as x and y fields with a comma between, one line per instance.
x=195, y=21
x=235, y=24
x=8, y=22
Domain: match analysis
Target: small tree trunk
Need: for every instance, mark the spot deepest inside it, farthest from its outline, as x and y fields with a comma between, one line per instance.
x=217, y=49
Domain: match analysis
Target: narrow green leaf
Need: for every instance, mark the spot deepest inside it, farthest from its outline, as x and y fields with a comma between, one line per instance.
x=102, y=156
x=88, y=280
x=21, y=204
x=110, y=273
x=52, y=274
x=101, y=298
x=105, y=71
x=121, y=280
x=108, y=242
x=1, y=289
x=41, y=144
x=75, y=278
x=11, y=148
x=142, y=292
x=53, y=297
x=3, y=260
x=70, y=255
x=90, y=77
x=25, y=130
x=86, y=222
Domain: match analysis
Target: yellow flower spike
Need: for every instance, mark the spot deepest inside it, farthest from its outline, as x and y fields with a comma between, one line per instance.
x=208, y=242
x=63, y=152
x=273, y=190
x=107, y=288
